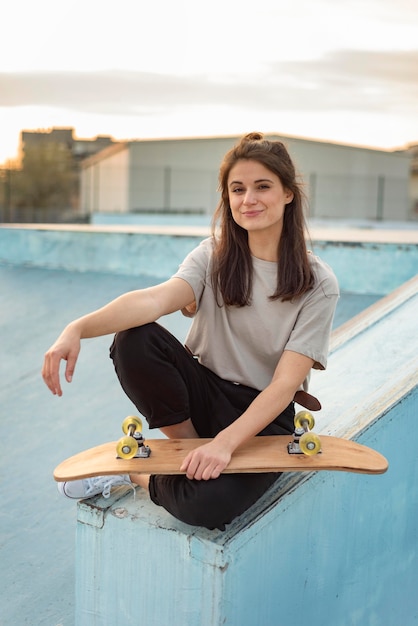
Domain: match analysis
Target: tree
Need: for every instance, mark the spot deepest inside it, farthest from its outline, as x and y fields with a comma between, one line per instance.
x=7, y=176
x=47, y=179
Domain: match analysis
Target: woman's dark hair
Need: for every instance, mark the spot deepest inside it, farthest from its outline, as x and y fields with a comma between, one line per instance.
x=232, y=268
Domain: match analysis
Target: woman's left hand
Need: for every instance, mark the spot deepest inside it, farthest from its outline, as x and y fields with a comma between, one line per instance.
x=206, y=461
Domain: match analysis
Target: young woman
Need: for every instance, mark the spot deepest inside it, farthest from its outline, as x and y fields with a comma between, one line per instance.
x=262, y=309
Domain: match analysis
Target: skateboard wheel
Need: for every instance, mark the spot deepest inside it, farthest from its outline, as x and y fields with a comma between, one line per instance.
x=310, y=444
x=127, y=447
x=132, y=420
x=304, y=418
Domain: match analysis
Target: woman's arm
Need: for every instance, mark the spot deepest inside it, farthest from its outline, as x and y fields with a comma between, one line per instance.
x=210, y=460
x=132, y=309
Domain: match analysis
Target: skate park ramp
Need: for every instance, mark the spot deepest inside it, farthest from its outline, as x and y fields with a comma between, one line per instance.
x=49, y=276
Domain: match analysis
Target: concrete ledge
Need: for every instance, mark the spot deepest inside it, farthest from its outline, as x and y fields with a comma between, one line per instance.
x=373, y=364
x=373, y=313
x=323, y=544
x=345, y=234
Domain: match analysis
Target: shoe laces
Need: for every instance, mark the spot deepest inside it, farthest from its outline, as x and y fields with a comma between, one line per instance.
x=105, y=484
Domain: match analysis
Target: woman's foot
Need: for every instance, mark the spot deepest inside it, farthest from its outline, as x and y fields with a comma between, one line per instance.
x=89, y=487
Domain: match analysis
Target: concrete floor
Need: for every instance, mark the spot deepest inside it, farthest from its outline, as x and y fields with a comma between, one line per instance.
x=39, y=430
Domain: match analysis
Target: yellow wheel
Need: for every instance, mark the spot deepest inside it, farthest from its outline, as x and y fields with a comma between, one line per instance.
x=310, y=444
x=132, y=420
x=304, y=419
x=127, y=447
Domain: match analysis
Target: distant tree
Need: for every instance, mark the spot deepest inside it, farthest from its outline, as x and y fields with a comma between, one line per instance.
x=47, y=178
x=7, y=176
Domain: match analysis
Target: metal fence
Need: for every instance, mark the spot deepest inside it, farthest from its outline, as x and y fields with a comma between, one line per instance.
x=329, y=196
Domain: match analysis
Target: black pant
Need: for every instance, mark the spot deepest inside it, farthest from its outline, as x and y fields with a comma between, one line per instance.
x=169, y=386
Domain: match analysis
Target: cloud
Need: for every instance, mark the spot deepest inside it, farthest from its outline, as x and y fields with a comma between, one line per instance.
x=344, y=79
x=355, y=80
x=102, y=91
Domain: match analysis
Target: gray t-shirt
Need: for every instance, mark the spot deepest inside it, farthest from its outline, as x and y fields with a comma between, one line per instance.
x=244, y=344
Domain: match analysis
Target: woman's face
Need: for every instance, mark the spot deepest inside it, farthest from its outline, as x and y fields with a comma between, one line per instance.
x=257, y=198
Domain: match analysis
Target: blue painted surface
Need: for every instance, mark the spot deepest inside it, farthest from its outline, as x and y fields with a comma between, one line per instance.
x=95, y=251
x=37, y=431
x=369, y=267
x=36, y=524
x=340, y=549
x=361, y=267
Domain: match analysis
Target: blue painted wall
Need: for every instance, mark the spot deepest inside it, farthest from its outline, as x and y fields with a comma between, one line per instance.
x=340, y=549
x=361, y=267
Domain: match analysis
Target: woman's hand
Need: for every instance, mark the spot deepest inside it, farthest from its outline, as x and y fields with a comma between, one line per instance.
x=67, y=348
x=206, y=461
x=131, y=309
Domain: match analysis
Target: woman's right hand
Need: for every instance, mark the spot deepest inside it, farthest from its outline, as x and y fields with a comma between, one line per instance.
x=66, y=348
x=131, y=309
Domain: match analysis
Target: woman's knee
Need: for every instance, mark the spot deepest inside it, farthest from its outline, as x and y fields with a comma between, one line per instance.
x=132, y=344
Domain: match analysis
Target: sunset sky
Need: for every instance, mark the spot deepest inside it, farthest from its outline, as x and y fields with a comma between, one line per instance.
x=338, y=70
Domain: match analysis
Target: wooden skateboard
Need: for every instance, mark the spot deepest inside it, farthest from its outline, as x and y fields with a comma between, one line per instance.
x=304, y=451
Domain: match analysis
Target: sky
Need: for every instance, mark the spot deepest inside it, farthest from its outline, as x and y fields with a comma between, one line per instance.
x=336, y=70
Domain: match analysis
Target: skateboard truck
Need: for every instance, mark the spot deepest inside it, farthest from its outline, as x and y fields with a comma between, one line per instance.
x=304, y=440
x=133, y=444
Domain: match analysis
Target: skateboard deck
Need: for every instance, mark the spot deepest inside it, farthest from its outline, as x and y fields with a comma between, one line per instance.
x=260, y=454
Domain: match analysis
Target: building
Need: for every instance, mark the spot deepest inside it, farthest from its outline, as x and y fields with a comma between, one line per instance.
x=180, y=175
x=45, y=156
x=80, y=148
x=413, y=182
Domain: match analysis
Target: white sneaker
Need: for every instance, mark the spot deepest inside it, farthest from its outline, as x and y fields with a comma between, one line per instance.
x=89, y=487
